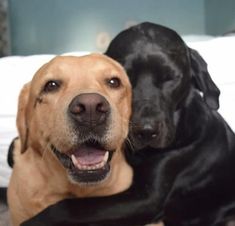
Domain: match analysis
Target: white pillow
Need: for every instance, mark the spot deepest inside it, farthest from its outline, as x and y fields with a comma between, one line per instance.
x=7, y=133
x=15, y=72
x=197, y=38
x=219, y=53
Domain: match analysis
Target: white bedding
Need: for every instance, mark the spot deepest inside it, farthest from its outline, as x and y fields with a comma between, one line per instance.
x=7, y=132
x=15, y=71
x=219, y=53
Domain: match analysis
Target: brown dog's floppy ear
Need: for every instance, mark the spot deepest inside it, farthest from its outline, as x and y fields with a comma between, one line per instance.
x=21, y=119
x=202, y=80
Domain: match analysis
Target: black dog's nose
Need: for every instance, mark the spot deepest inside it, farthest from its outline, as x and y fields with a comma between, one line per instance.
x=147, y=132
x=89, y=109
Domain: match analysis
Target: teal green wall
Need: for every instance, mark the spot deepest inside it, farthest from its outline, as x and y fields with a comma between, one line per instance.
x=57, y=26
x=220, y=16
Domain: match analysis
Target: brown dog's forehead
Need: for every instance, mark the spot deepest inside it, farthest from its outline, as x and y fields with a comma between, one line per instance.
x=89, y=64
x=85, y=73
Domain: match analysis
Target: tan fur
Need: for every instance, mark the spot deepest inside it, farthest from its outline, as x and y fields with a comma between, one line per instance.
x=38, y=178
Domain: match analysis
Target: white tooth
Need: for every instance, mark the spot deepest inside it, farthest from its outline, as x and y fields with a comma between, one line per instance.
x=88, y=167
x=106, y=156
x=79, y=166
x=101, y=165
x=74, y=160
x=85, y=167
x=94, y=167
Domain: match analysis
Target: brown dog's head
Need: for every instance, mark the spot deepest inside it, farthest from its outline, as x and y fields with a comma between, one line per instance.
x=77, y=108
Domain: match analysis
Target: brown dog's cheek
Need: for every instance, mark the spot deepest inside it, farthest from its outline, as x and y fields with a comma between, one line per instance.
x=50, y=122
x=121, y=127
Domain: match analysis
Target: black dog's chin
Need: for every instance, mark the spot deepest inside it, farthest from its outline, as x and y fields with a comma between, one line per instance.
x=138, y=145
x=157, y=142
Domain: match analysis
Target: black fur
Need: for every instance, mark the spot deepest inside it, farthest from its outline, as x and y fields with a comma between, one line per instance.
x=3, y=195
x=183, y=160
x=10, y=156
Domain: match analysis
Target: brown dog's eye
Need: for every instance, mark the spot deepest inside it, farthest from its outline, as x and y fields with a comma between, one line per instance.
x=114, y=82
x=51, y=86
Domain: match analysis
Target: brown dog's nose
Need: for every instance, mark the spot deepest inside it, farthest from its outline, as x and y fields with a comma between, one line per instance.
x=89, y=109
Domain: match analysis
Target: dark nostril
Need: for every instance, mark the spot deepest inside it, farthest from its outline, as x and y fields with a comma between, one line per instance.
x=77, y=109
x=102, y=107
x=81, y=108
x=147, y=133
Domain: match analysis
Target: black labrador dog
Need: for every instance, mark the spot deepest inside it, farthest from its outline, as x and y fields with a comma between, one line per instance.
x=182, y=151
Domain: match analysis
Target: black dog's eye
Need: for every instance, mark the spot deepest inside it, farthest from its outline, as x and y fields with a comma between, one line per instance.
x=114, y=82
x=51, y=86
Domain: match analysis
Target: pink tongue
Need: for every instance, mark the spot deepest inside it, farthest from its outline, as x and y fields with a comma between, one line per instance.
x=89, y=155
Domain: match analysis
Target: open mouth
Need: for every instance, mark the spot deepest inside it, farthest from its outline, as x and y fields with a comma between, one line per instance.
x=87, y=163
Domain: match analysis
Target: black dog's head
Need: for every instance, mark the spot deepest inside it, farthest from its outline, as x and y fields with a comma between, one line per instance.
x=163, y=72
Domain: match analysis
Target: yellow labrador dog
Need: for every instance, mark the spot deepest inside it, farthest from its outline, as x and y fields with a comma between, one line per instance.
x=72, y=120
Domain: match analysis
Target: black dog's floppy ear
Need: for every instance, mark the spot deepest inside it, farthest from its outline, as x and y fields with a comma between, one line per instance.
x=202, y=80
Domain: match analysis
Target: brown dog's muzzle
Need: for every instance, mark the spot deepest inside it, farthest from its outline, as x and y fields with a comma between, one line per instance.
x=89, y=109
x=88, y=161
